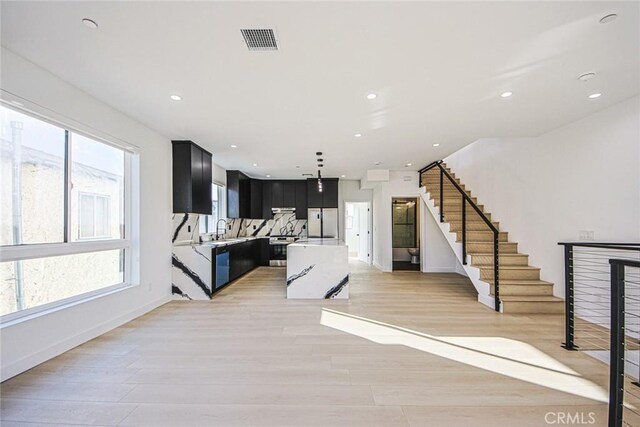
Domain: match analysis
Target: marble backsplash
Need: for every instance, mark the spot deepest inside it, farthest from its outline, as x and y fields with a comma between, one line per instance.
x=186, y=227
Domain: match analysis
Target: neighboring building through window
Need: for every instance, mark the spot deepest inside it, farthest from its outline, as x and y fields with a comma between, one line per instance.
x=59, y=187
x=208, y=223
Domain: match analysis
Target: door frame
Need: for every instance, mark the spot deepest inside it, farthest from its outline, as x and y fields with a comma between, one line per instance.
x=369, y=228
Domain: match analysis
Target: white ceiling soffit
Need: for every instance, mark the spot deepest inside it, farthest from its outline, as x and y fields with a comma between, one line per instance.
x=437, y=68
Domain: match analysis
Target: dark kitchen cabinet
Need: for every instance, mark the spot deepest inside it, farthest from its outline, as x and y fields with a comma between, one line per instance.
x=244, y=196
x=240, y=258
x=192, y=178
x=289, y=194
x=314, y=197
x=277, y=194
x=328, y=198
x=301, y=199
x=267, y=186
x=330, y=193
x=256, y=199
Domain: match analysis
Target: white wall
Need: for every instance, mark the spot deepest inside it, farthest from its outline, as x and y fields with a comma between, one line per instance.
x=543, y=190
x=35, y=340
x=435, y=252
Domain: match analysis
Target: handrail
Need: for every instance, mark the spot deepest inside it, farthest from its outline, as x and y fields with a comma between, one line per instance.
x=617, y=340
x=467, y=199
x=604, y=245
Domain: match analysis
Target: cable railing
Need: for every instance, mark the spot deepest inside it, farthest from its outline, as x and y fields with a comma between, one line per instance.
x=602, y=316
x=624, y=393
x=448, y=183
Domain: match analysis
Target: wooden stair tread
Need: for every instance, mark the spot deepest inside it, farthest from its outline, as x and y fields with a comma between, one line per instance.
x=531, y=298
x=523, y=282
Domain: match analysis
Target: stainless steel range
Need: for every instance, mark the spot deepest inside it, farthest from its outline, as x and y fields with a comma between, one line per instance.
x=278, y=250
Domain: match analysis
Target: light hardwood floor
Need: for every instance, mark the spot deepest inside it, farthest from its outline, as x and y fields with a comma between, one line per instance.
x=407, y=349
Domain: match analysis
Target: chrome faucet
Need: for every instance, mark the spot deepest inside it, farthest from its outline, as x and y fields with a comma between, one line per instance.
x=218, y=228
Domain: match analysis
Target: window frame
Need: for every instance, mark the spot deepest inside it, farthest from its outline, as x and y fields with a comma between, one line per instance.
x=128, y=243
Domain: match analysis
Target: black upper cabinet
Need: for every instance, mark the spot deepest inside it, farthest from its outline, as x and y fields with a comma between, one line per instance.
x=244, y=196
x=330, y=192
x=192, y=179
x=314, y=197
x=255, y=204
x=267, y=187
x=328, y=198
x=289, y=194
x=277, y=194
x=301, y=199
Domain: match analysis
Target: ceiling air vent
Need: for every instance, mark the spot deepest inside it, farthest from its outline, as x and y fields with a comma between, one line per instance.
x=260, y=39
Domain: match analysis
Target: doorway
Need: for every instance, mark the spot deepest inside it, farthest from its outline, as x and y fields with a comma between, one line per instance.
x=358, y=230
x=405, y=234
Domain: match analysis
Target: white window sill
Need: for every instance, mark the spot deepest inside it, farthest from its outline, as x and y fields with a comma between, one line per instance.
x=18, y=317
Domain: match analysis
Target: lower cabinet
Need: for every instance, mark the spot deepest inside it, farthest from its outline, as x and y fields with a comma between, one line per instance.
x=232, y=261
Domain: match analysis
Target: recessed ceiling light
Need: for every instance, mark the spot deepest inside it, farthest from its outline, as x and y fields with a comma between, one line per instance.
x=506, y=94
x=233, y=146
x=255, y=164
x=342, y=176
x=407, y=165
x=608, y=18
x=436, y=145
x=595, y=95
x=297, y=167
x=377, y=163
x=268, y=176
x=372, y=96
x=176, y=97
x=586, y=76
x=358, y=135
x=90, y=23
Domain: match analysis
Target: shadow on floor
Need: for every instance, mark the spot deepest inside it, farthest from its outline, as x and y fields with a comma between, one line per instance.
x=405, y=266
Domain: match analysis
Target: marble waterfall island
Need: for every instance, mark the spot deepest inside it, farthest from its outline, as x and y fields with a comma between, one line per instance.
x=318, y=268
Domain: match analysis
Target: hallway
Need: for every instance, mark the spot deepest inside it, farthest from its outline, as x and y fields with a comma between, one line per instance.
x=404, y=350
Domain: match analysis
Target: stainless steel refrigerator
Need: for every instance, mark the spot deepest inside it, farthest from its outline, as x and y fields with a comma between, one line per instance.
x=323, y=222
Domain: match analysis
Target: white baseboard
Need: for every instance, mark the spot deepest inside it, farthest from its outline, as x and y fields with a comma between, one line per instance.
x=439, y=270
x=60, y=347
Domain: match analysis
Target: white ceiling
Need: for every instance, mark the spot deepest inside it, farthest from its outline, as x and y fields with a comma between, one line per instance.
x=438, y=69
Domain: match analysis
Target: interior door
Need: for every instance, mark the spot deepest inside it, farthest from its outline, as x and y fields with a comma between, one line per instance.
x=363, y=231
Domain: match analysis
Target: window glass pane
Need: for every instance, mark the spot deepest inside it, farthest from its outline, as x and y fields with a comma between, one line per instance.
x=102, y=216
x=86, y=216
x=34, y=282
x=32, y=177
x=97, y=169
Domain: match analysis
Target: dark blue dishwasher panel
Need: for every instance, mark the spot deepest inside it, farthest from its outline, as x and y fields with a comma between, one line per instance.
x=222, y=269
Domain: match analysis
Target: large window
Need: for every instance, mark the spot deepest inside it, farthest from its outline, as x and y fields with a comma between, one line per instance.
x=64, y=203
x=208, y=223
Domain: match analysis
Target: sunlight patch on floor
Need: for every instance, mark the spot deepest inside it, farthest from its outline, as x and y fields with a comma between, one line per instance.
x=502, y=356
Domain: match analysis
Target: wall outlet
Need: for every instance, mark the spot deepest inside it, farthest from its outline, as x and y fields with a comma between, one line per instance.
x=188, y=229
x=254, y=227
x=586, y=235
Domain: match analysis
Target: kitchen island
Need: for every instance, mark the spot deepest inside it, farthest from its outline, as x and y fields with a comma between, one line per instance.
x=318, y=268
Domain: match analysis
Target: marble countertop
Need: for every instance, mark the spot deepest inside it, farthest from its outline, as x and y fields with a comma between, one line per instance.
x=318, y=242
x=223, y=242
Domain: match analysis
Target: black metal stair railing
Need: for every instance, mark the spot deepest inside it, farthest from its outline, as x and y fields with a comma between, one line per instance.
x=465, y=199
x=602, y=316
x=621, y=390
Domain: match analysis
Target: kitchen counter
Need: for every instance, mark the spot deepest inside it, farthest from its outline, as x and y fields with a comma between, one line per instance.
x=200, y=269
x=318, y=242
x=318, y=268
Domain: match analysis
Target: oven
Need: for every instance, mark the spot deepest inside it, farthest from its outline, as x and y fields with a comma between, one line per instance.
x=278, y=250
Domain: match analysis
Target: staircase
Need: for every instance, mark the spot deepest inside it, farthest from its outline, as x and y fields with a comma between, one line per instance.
x=519, y=285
